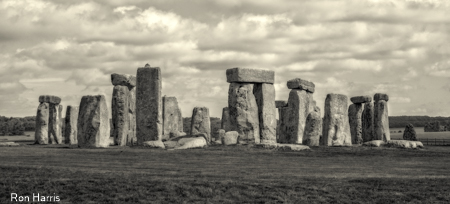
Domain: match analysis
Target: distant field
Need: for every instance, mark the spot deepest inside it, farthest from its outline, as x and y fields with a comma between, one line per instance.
x=227, y=175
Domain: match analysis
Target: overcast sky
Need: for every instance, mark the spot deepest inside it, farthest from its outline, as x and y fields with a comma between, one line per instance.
x=352, y=47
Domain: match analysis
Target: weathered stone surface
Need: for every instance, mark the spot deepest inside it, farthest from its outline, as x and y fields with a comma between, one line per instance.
x=409, y=133
x=242, y=75
x=41, y=131
x=171, y=116
x=148, y=105
x=361, y=99
x=49, y=99
x=279, y=104
x=154, y=144
x=282, y=128
x=312, y=128
x=111, y=141
x=301, y=84
x=381, y=96
x=131, y=139
x=189, y=143
x=381, y=121
x=123, y=80
x=200, y=122
x=284, y=147
x=220, y=134
x=265, y=99
x=70, y=129
x=293, y=124
x=93, y=122
x=120, y=114
x=226, y=121
x=374, y=143
x=230, y=138
x=54, y=124
x=9, y=144
x=367, y=122
x=355, y=120
x=336, y=128
x=243, y=112
x=404, y=144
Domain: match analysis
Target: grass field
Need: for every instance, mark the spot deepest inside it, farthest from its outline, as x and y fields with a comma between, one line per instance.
x=227, y=175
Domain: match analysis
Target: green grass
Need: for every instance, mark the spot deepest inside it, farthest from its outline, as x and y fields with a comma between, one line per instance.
x=227, y=175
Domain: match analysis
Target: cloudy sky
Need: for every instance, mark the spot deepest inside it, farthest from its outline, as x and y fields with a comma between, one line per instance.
x=352, y=47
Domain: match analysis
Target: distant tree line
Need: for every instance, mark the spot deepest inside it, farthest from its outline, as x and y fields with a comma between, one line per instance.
x=16, y=125
x=417, y=121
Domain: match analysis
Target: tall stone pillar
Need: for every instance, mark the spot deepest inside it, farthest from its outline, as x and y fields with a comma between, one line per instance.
x=42, y=116
x=355, y=112
x=381, y=117
x=367, y=122
x=265, y=98
x=313, y=128
x=279, y=105
x=226, y=124
x=122, y=108
x=148, y=104
x=93, y=122
x=54, y=113
x=171, y=117
x=336, y=128
x=71, y=121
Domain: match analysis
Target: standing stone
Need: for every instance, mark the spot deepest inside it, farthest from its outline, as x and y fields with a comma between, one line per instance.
x=283, y=128
x=279, y=105
x=200, y=122
x=132, y=140
x=409, y=133
x=70, y=130
x=336, y=128
x=54, y=124
x=148, y=105
x=355, y=120
x=295, y=117
x=226, y=123
x=41, y=132
x=120, y=114
x=312, y=128
x=93, y=122
x=243, y=112
x=265, y=98
x=367, y=122
x=171, y=114
x=381, y=118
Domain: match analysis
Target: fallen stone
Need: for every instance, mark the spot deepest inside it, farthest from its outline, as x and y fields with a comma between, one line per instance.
x=409, y=133
x=361, y=99
x=381, y=96
x=226, y=123
x=41, y=131
x=189, y=143
x=242, y=75
x=294, y=121
x=123, y=80
x=312, y=128
x=49, y=99
x=404, y=144
x=336, y=128
x=170, y=144
x=301, y=84
x=154, y=144
x=120, y=114
x=70, y=130
x=171, y=116
x=367, y=116
x=243, y=111
x=284, y=147
x=374, y=143
x=381, y=121
x=217, y=142
x=148, y=105
x=265, y=99
x=93, y=122
x=230, y=138
x=355, y=119
x=54, y=124
x=8, y=144
x=200, y=122
x=279, y=104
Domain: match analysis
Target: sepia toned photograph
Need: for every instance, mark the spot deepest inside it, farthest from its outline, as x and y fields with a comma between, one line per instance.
x=224, y=101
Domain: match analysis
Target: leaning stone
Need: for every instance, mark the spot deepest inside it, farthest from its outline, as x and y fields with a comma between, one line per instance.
x=243, y=111
x=123, y=80
x=70, y=130
x=381, y=121
x=312, y=128
x=93, y=122
x=148, y=105
x=295, y=117
x=361, y=99
x=336, y=128
x=355, y=120
x=279, y=104
x=381, y=96
x=367, y=122
x=242, y=75
x=54, y=124
x=230, y=138
x=409, y=133
x=49, y=99
x=301, y=84
x=41, y=131
x=171, y=114
x=200, y=122
x=265, y=98
x=189, y=143
x=226, y=123
x=374, y=143
x=154, y=144
x=120, y=114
